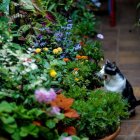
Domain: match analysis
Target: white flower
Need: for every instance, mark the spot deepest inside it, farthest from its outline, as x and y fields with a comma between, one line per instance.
x=30, y=50
x=26, y=63
x=33, y=66
x=100, y=36
x=27, y=70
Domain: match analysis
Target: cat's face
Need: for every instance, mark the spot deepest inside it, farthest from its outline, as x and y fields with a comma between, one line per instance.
x=108, y=69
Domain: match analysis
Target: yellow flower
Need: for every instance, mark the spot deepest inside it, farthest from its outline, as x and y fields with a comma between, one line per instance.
x=76, y=79
x=55, y=51
x=59, y=49
x=45, y=49
x=38, y=50
x=53, y=73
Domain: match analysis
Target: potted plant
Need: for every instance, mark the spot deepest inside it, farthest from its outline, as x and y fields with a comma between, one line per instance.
x=100, y=114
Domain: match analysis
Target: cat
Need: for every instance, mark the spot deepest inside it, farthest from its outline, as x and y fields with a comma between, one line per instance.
x=115, y=81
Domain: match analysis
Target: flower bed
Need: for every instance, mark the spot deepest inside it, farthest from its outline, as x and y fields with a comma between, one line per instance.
x=48, y=63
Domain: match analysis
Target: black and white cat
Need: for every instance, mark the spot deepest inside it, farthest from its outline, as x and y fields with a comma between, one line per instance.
x=115, y=81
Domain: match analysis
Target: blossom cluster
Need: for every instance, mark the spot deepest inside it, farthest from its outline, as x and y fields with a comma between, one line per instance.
x=44, y=96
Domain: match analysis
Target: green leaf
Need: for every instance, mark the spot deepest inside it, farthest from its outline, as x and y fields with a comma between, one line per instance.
x=52, y=7
x=15, y=135
x=29, y=130
x=60, y=116
x=4, y=5
x=3, y=94
x=10, y=128
x=7, y=119
x=85, y=139
x=6, y=107
x=50, y=123
x=75, y=138
x=35, y=112
x=27, y=5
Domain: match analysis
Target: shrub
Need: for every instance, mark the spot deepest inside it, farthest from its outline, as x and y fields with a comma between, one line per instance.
x=100, y=114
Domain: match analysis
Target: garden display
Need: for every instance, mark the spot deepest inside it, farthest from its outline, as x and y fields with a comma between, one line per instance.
x=49, y=56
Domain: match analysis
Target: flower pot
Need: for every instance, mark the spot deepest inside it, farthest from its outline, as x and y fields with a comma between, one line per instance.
x=112, y=136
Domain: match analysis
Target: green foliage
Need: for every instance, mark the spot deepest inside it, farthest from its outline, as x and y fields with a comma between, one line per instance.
x=79, y=72
x=33, y=55
x=94, y=51
x=4, y=5
x=100, y=113
x=86, y=25
x=19, y=122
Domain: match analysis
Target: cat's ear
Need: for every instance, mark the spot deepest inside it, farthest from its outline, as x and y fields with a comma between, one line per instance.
x=107, y=61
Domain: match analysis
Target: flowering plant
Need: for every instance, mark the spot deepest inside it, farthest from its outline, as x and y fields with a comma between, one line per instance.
x=50, y=53
x=40, y=121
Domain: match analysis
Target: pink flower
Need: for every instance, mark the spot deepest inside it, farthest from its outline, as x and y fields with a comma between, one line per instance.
x=55, y=110
x=44, y=96
x=67, y=138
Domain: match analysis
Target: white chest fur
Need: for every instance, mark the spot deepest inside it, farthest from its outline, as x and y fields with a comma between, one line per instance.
x=115, y=83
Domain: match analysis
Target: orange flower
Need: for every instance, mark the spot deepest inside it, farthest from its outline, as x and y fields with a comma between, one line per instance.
x=65, y=103
x=66, y=59
x=76, y=69
x=84, y=57
x=78, y=56
x=71, y=113
x=62, y=102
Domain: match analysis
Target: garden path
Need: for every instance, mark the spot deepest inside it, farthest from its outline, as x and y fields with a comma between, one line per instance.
x=122, y=44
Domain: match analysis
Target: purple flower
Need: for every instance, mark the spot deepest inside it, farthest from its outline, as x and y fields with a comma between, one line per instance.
x=69, y=21
x=42, y=44
x=39, y=36
x=43, y=96
x=77, y=47
x=55, y=110
x=43, y=24
x=62, y=55
x=58, y=36
x=69, y=26
x=48, y=30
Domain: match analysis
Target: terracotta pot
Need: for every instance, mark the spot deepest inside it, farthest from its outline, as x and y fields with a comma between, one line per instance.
x=112, y=136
